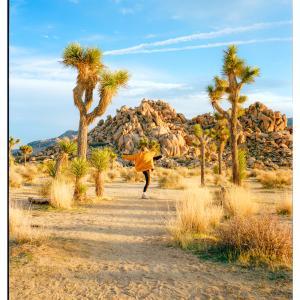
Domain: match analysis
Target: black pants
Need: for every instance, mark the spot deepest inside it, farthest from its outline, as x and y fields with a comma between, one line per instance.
x=147, y=177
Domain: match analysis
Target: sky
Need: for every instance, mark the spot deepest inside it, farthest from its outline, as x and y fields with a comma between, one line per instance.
x=172, y=50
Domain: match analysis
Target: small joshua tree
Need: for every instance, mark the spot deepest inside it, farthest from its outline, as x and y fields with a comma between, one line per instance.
x=236, y=75
x=25, y=150
x=12, y=143
x=90, y=73
x=66, y=148
x=79, y=168
x=153, y=145
x=221, y=134
x=101, y=160
x=203, y=140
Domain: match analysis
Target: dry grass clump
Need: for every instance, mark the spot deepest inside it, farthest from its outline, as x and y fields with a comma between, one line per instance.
x=285, y=206
x=240, y=202
x=195, y=214
x=45, y=189
x=28, y=172
x=131, y=175
x=171, y=181
x=21, y=229
x=258, y=240
x=61, y=194
x=15, y=179
x=275, y=179
x=112, y=175
x=220, y=180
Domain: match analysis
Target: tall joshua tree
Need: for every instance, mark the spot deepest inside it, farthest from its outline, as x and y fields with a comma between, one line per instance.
x=203, y=139
x=236, y=75
x=66, y=148
x=25, y=150
x=12, y=143
x=90, y=74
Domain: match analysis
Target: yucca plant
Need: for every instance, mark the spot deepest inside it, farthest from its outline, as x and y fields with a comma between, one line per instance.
x=203, y=140
x=90, y=73
x=236, y=75
x=49, y=168
x=67, y=148
x=79, y=168
x=12, y=143
x=26, y=151
x=101, y=160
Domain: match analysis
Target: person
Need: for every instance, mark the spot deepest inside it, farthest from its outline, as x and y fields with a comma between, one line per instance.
x=143, y=162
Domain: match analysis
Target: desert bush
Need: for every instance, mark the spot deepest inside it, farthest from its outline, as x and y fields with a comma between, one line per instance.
x=131, y=175
x=275, y=179
x=49, y=168
x=195, y=214
x=171, y=181
x=20, y=226
x=61, y=194
x=79, y=169
x=256, y=240
x=285, y=205
x=240, y=202
x=15, y=179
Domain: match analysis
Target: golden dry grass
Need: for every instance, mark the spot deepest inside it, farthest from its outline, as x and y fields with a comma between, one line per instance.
x=221, y=180
x=131, y=175
x=21, y=229
x=45, y=188
x=171, y=181
x=285, y=205
x=195, y=214
x=61, y=194
x=28, y=172
x=15, y=179
x=257, y=240
x=238, y=201
x=275, y=179
x=112, y=175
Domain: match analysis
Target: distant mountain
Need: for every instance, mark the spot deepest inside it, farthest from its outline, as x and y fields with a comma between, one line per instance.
x=290, y=122
x=40, y=145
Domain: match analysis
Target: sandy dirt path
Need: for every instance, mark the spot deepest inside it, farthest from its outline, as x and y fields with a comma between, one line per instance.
x=120, y=249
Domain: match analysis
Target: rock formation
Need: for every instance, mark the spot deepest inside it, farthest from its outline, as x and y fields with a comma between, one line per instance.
x=267, y=137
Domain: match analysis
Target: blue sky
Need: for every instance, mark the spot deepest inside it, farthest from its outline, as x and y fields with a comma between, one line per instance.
x=171, y=48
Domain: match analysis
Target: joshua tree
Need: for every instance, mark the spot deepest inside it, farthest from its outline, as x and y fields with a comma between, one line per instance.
x=236, y=75
x=12, y=142
x=79, y=168
x=203, y=139
x=153, y=145
x=221, y=134
x=101, y=160
x=25, y=150
x=90, y=73
x=66, y=148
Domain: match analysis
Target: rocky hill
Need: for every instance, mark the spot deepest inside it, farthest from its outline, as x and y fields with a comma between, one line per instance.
x=268, y=139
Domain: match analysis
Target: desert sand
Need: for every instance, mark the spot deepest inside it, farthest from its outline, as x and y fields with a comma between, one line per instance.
x=120, y=249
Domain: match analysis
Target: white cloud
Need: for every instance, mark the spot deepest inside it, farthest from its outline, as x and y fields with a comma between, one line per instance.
x=198, y=36
x=210, y=45
x=127, y=11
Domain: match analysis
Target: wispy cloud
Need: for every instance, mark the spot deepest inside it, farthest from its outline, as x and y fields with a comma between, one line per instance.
x=210, y=45
x=198, y=36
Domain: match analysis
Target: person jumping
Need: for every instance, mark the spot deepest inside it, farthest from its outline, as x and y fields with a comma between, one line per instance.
x=143, y=161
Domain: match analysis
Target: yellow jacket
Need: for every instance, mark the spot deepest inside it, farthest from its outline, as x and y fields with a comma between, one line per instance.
x=143, y=160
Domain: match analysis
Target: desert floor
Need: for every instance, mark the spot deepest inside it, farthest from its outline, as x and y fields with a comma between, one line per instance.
x=120, y=249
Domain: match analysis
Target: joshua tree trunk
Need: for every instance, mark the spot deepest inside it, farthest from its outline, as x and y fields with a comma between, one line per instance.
x=202, y=163
x=25, y=158
x=59, y=163
x=99, y=184
x=234, y=146
x=78, y=194
x=220, y=161
x=82, y=137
